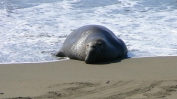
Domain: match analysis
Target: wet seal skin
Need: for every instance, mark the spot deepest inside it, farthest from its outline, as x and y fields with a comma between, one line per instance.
x=93, y=44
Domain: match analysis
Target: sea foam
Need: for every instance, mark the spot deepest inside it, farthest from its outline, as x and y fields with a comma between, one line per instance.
x=32, y=31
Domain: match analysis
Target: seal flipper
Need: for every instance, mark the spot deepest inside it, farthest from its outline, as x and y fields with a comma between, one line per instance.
x=60, y=54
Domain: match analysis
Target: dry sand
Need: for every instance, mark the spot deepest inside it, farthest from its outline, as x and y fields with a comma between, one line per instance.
x=134, y=78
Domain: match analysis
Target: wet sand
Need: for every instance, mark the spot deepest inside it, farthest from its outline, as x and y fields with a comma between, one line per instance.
x=133, y=78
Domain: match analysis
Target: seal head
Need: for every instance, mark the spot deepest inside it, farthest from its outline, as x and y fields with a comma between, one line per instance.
x=94, y=51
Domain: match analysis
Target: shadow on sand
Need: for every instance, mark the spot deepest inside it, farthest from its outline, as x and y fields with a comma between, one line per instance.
x=111, y=61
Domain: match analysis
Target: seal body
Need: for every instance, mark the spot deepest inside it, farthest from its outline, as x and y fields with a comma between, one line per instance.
x=92, y=44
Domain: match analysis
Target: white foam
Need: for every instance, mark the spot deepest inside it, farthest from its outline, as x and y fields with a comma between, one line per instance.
x=33, y=33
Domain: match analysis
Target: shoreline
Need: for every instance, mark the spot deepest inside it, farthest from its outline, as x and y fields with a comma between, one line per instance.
x=79, y=60
x=151, y=75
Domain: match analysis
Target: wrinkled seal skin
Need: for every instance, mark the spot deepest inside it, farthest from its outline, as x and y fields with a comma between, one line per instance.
x=92, y=44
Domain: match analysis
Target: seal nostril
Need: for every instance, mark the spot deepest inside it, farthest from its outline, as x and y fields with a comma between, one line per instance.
x=93, y=47
x=99, y=44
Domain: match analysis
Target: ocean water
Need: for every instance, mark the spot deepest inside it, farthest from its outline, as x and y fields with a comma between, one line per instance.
x=33, y=30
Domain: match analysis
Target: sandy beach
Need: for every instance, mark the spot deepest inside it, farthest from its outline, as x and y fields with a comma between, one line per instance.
x=133, y=78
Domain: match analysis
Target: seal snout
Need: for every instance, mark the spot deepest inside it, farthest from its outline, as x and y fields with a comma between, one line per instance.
x=90, y=54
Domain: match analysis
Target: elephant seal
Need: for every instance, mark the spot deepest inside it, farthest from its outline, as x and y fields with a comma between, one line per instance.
x=92, y=44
